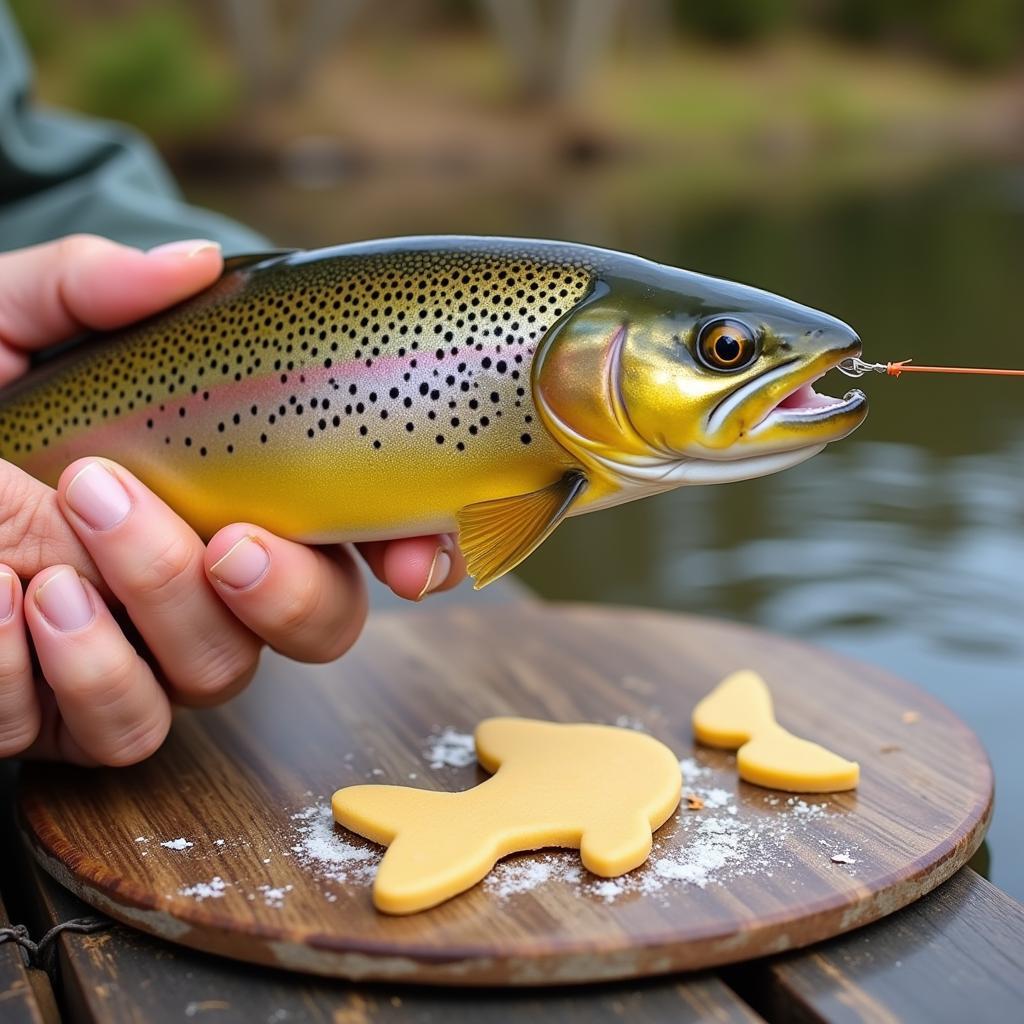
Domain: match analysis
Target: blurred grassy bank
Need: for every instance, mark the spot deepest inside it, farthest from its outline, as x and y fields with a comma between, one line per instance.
x=444, y=102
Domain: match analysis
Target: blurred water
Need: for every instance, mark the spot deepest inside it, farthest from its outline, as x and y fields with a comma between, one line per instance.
x=903, y=545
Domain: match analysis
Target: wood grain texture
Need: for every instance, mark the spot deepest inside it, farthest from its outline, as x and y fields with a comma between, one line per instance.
x=956, y=956
x=243, y=771
x=123, y=976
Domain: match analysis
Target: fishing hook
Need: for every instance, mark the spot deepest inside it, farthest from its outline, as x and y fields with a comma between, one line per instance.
x=854, y=367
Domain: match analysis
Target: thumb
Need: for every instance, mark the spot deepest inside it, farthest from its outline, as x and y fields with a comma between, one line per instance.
x=50, y=292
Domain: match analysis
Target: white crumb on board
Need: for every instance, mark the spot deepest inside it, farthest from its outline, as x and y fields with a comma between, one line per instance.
x=712, y=845
x=523, y=873
x=324, y=851
x=692, y=770
x=716, y=797
x=316, y=845
x=176, y=844
x=214, y=889
x=273, y=896
x=608, y=889
x=449, y=748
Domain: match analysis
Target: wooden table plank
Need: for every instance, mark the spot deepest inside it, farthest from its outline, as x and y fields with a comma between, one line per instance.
x=956, y=955
x=121, y=975
x=25, y=996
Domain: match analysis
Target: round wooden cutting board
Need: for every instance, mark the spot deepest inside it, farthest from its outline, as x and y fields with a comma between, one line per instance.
x=223, y=840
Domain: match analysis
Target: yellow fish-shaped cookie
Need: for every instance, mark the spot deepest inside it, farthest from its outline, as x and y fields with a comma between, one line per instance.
x=598, y=788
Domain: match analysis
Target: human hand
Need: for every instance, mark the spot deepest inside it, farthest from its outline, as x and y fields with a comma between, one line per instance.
x=103, y=541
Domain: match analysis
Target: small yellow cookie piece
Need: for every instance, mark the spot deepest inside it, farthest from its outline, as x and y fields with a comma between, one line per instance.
x=779, y=760
x=737, y=708
x=598, y=788
x=738, y=714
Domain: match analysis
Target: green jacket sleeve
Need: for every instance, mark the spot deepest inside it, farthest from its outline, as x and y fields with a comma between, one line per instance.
x=61, y=174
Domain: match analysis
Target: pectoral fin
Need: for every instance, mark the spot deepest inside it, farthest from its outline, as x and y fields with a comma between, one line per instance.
x=495, y=536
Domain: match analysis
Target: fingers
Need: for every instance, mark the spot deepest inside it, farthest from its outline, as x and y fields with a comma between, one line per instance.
x=34, y=533
x=19, y=709
x=51, y=292
x=111, y=706
x=416, y=566
x=300, y=600
x=153, y=563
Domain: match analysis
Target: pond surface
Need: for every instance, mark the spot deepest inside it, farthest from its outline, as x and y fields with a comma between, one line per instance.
x=903, y=545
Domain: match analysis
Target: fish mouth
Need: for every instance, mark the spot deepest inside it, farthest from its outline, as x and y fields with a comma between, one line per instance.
x=804, y=406
x=782, y=409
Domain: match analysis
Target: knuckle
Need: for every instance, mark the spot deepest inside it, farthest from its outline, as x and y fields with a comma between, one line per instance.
x=137, y=743
x=224, y=671
x=331, y=639
x=175, y=565
x=19, y=710
x=300, y=607
x=338, y=643
x=18, y=732
x=14, y=669
x=102, y=676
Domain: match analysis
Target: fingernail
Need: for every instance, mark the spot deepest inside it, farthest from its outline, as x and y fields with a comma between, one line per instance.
x=243, y=565
x=98, y=497
x=6, y=596
x=188, y=248
x=439, y=570
x=63, y=601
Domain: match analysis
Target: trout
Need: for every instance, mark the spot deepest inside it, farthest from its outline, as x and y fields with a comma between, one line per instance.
x=490, y=386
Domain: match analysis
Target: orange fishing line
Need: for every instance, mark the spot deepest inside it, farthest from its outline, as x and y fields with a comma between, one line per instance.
x=895, y=369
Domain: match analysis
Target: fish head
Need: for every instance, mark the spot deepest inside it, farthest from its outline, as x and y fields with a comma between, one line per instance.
x=663, y=377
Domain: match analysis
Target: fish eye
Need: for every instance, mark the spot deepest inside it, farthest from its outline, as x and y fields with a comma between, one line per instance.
x=726, y=345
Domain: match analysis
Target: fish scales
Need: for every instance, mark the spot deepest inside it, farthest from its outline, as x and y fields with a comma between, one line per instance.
x=388, y=384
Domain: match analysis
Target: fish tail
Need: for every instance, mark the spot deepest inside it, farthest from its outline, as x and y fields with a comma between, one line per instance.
x=435, y=844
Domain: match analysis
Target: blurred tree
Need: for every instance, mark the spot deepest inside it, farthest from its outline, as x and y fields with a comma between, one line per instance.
x=552, y=47
x=865, y=20
x=735, y=21
x=325, y=22
x=651, y=24
x=974, y=33
x=254, y=27
x=251, y=24
x=978, y=33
